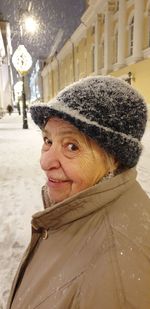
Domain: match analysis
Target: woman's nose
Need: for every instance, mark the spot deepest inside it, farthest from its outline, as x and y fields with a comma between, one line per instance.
x=50, y=159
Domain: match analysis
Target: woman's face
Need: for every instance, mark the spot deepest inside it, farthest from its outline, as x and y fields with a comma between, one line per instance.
x=71, y=161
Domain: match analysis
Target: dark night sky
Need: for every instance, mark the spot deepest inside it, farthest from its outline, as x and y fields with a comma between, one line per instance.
x=57, y=19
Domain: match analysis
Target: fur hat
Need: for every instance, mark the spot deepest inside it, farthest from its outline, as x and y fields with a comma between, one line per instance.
x=105, y=108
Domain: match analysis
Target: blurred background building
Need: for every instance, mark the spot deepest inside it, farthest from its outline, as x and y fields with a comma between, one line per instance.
x=6, y=77
x=113, y=38
x=110, y=38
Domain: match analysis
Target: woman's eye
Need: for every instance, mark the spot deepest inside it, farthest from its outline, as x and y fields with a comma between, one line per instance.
x=72, y=147
x=47, y=141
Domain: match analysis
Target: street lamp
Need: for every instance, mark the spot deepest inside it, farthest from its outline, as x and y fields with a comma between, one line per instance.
x=30, y=24
x=22, y=62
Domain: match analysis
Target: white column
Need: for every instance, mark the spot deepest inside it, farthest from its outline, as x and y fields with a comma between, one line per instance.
x=138, y=29
x=121, y=33
x=107, y=41
x=97, y=39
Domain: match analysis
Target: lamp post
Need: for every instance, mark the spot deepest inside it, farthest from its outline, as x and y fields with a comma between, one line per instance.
x=22, y=62
x=21, y=59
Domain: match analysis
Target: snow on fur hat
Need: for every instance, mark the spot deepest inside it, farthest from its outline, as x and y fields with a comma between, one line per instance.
x=105, y=108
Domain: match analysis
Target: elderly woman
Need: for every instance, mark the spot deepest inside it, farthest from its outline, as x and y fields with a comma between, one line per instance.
x=90, y=246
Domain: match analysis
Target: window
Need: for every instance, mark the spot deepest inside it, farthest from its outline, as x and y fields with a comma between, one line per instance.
x=102, y=54
x=77, y=69
x=115, y=46
x=85, y=63
x=116, y=6
x=93, y=30
x=93, y=59
x=131, y=31
x=149, y=27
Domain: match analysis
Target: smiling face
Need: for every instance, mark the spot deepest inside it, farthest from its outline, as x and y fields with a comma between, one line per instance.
x=71, y=161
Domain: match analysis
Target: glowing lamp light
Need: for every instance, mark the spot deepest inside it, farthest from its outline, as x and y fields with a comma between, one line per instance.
x=30, y=24
x=22, y=60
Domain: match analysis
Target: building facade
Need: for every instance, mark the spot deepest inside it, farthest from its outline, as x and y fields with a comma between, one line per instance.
x=6, y=78
x=113, y=38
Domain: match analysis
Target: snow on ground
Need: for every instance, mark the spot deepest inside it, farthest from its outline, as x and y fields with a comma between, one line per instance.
x=20, y=181
x=20, y=190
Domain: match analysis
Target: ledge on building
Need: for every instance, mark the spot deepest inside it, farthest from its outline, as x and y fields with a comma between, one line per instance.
x=146, y=53
x=132, y=59
x=117, y=66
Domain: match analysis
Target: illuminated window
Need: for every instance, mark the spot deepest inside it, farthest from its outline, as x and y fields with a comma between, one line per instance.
x=131, y=32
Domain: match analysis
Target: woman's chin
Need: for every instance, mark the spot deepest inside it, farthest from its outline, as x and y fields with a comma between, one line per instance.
x=56, y=198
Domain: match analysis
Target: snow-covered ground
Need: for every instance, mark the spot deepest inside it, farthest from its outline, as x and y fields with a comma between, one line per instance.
x=20, y=181
x=20, y=190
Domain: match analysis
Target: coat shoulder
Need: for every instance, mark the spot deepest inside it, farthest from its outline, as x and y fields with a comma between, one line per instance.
x=121, y=265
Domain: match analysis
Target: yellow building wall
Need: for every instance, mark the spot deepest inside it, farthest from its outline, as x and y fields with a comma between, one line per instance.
x=141, y=74
x=55, y=81
x=70, y=68
x=101, y=51
x=62, y=79
x=145, y=4
x=67, y=65
x=99, y=40
x=76, y=62
x=101, y=26
x=66, y=70
x=90, y=43
x=45, y=89
x=145, y=32
x=81, y=57
x=145, y=39
x=51, y=84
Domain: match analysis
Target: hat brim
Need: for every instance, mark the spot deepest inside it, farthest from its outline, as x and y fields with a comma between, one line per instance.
x=115, y=143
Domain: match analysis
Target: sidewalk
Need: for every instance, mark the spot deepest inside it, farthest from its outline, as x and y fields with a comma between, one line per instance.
x=20, y=192
x=21, y=179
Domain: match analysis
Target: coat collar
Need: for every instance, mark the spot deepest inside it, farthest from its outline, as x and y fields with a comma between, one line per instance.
x=82, y=204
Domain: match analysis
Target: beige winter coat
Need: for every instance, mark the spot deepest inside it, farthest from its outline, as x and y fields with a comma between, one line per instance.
x=96, y=255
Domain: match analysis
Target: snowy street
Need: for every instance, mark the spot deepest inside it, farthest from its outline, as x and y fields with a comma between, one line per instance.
x=20, y=181
x=20, y=190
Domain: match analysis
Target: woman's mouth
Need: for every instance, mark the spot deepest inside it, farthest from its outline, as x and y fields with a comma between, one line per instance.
x=56, y=182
